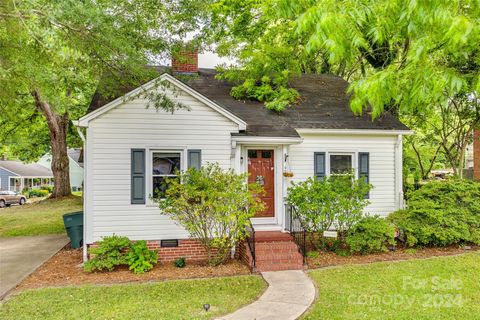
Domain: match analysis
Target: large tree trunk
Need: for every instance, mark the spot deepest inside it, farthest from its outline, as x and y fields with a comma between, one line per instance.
x=57, y=126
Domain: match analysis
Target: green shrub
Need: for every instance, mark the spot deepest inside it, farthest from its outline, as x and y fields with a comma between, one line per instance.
x=37, y=193
x=180, y=262
x=214, y=206
x=140, y=258
x=313, y=254
x=441, y=213
x=109, y=253
x=371, y=234
x=335, y=201
x=115, y=251
x=47, y=187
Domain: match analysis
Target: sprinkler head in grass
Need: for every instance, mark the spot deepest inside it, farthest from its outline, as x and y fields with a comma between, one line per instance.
x=206, y=306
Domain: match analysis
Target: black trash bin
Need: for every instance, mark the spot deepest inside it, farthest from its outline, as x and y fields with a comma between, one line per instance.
x=74, y=226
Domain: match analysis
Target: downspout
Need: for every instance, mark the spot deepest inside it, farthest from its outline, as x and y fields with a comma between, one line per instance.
x=82, y=136
x=399, y=202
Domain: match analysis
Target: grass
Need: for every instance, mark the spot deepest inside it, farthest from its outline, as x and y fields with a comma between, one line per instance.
x=182, y=299
x=438, y=288
x=38, y=218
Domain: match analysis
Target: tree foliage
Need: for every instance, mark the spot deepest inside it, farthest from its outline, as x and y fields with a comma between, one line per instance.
x=400, y=55
x=53, y=53
x=214, y=206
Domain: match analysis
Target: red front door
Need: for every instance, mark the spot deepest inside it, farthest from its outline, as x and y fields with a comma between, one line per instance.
x=261, y=170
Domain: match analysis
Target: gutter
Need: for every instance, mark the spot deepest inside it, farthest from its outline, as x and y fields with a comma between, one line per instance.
x=82, y=136
x=398, y=172
x=267, y=140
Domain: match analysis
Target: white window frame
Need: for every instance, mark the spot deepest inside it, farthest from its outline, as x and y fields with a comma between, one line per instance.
x=351, y=154
x=149, y=167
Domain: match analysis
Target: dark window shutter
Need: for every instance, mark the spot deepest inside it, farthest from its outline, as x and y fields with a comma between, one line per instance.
x=364, y=167
x=138, y=176
x=195, y=159
x=319, y=164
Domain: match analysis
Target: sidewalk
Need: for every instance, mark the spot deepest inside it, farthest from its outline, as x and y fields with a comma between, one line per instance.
x=288, y=295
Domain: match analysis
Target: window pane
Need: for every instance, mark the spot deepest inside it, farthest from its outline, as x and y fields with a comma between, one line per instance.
x=266, y=154
x=165, y=163
x=252, y=153
x=160, y=185
x=340, y=164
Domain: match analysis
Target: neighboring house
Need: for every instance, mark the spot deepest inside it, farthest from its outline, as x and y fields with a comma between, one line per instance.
x=75, y=165
x=131, y=149
x=16, y=175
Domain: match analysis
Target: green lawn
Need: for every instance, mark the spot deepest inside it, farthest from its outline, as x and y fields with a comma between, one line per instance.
x=182, y=299
x=43, y=217
x=438, y=288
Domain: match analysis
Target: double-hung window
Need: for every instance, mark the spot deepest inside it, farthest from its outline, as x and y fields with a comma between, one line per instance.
x=341, y=163
x=165, y=166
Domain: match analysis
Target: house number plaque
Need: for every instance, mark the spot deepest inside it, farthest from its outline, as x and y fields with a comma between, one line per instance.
x=260, y=180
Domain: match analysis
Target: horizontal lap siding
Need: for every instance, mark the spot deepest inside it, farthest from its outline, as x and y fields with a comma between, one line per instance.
x=382, y=163
x=132, y=125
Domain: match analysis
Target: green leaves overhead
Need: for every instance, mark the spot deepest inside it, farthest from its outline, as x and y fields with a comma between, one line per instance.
x=397, y=54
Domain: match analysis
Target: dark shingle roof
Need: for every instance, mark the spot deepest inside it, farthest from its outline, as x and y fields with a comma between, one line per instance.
x=26, y=169
x=324, y=105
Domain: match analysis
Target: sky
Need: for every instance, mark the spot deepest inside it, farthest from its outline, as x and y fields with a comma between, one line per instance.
x=209, y=59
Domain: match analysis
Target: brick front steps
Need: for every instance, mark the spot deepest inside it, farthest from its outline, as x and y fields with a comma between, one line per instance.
x=274, y=251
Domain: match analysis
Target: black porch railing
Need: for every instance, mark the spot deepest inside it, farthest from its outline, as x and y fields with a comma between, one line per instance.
x=251, y=242
x=297, y=229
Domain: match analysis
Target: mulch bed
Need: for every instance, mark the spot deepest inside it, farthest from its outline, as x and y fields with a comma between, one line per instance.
x=328, y=259
x=65, y=269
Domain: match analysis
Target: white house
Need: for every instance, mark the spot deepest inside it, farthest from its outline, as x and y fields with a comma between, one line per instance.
x=75, y=167
x=130, y=149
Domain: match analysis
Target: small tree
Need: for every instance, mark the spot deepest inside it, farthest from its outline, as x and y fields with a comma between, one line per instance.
x=214, y=206
x=336, y=201
x=351, y=199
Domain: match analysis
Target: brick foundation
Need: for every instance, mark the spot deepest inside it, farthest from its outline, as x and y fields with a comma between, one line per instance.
x=190, y=249
x=476, y=155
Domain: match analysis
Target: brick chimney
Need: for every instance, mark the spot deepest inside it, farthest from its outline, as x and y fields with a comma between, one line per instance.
x=185, y=60
x=476, y=154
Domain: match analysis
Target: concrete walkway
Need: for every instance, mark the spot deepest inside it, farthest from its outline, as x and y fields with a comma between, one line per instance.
x=288, y=295
x=20, y=256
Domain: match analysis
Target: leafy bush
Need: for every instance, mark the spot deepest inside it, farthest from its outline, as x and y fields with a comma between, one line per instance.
x=371, y=234
x=335, y=201
x=214, y=206
x=115, y=251
x=441, y=213
x=140, y=258
x=37, y=193
x=47, y=187
x=180, y=262
x=109, y=253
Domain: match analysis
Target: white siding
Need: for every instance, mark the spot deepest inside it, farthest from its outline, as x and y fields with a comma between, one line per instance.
x=110, y=138
x=382, y=163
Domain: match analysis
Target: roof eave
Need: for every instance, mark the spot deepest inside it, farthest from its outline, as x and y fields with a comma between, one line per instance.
x=83, y=121
x=379, y=132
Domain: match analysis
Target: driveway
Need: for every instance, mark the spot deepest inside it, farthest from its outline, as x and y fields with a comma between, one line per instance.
x=20, y=256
